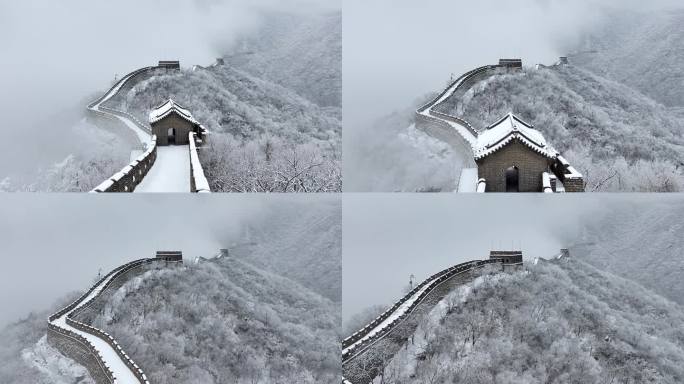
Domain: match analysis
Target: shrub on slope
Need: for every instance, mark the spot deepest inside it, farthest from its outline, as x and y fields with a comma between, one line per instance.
x=619, y=139
x=225, y=322
x=554, y=323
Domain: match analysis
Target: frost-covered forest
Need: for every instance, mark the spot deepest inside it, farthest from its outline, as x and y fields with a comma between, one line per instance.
x=619, y=139
x=219, y=321
x=264, y=138
x=225, y=321
x=555, y=322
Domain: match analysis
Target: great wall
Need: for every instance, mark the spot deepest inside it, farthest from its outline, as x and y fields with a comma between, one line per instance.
x=69, y=332
x=551, y=174
x=363, y=352
x=166, y=168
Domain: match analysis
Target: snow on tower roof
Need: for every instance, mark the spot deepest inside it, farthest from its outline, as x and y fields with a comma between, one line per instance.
x=510, y=128
x=171, y=107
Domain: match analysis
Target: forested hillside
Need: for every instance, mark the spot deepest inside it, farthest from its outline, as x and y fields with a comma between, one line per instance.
x=298, y=51
x=305, y=247
x=619, y=139
x=639, y=243
x=264, y=138
x=641, y=50
x=555, y=322
x=225, y=321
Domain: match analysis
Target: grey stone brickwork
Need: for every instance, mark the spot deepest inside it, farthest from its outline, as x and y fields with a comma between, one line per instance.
x=530, y=166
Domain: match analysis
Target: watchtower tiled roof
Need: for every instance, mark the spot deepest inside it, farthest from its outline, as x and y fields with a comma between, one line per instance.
x=508, y=129
x=168, y=108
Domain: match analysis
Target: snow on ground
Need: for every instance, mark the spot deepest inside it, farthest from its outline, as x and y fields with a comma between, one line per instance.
x=170, y=172
x=468, y=181
x=55, y=367
x=122, y=373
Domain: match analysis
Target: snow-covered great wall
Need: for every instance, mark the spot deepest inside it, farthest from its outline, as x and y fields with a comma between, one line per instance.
x=93, y=348
x=187, y=179
x=359, y=364
x=463, y=137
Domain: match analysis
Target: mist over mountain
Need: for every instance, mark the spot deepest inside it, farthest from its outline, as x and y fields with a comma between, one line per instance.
x=639, y=49
x=641, y=243
x=305, y=247
x=301, y=52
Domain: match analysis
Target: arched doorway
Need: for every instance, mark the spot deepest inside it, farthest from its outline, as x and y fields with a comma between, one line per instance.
x=171, y=136
x=512, y=180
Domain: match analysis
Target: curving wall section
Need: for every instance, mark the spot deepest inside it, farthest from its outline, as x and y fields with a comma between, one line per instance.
x=355, y=343
x=432, y=289
x=93, y=348
x=457, y=132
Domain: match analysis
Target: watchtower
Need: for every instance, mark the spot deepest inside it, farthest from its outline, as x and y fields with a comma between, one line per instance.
x=170, y=255
x=172, y=123
x=169, y=64
x=512, y=156
x=563, y=60
x=507, y=258
x=511, y=63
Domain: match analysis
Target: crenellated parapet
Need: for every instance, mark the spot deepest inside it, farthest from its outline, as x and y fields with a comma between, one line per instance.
x=131, y=175
x=198, y=181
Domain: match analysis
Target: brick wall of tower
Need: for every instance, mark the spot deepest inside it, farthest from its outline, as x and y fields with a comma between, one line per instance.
x=530, y=166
